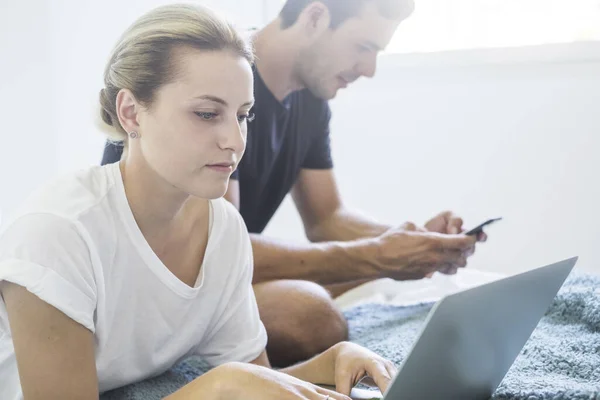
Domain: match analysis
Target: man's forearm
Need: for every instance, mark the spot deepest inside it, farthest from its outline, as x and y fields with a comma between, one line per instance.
x=324, y=263
x=346, y=225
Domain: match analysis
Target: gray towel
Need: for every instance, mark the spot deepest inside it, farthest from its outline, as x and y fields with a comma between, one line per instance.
x=560, y=361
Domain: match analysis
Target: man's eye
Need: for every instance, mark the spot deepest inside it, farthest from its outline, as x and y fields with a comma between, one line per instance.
x=362, y=48
x=206, y=115
x=247, y=117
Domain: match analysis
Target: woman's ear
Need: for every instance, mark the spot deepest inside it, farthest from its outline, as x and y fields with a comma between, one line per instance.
x=127, y=110
x=314, y=20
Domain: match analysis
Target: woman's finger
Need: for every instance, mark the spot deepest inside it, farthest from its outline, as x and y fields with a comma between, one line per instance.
x=343, y=383
x=368, y=381
x=391, y=369
x=379, y=373
x=347, y=378
x=332, y=394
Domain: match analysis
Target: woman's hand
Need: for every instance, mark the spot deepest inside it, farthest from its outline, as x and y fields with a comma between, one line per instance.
x=251, y=382
x=353, y=363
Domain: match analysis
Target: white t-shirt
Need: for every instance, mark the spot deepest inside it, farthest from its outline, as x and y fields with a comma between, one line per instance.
x=76, y=246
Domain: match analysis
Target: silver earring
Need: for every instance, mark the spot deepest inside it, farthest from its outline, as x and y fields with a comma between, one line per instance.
x=133, y=135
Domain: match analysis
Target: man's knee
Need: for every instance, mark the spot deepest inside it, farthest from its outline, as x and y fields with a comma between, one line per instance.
x=301, y=319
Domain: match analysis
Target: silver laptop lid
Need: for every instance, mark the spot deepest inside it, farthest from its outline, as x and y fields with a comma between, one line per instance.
x=471, y=338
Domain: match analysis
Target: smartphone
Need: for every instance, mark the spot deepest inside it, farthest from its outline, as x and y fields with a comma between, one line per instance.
x=479, y=228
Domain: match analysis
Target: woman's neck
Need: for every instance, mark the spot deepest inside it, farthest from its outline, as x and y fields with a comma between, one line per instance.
x=158, y=207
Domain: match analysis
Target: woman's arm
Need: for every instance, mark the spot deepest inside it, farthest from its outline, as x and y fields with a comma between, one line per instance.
x=343, y=366
x=209, y=386
x=55, y=355
x=262, y=360
x=215, y=382
x=319, y=370
x=252, y=381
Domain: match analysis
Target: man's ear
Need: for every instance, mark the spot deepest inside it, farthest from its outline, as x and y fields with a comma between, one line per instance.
x=314, y=20
x=127, y=110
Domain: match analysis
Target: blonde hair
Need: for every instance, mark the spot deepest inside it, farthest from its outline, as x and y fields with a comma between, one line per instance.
x=143, y=59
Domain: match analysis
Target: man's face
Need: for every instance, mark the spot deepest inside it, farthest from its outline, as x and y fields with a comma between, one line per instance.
x=341, y=56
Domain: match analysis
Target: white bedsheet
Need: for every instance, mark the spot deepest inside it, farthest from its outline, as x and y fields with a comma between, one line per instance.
x=388, y=291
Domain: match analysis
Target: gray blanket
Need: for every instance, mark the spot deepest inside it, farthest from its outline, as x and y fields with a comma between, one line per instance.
x=560, y=361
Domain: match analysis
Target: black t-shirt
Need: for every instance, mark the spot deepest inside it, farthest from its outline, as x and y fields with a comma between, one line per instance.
x=284, y=138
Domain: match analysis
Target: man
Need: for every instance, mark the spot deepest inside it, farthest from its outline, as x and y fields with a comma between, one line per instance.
x=304, y=57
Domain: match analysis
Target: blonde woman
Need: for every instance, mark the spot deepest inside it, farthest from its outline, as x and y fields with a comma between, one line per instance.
x=116, y=273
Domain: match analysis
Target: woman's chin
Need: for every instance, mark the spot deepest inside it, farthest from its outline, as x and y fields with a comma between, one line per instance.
x=210, y=193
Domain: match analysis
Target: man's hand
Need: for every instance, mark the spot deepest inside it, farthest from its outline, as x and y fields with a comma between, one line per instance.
x=449, y=223
x=408, y=252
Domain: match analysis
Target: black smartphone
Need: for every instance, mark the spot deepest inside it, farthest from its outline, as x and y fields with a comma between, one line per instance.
x=479, y=228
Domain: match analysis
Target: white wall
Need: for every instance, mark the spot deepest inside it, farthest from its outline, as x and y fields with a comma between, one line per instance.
x=27, y=135
x=82, y=47
x=52, y=56
x=512, y=133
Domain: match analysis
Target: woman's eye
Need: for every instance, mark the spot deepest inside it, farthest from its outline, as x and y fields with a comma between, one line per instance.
x=206, y=115
x=247, y=117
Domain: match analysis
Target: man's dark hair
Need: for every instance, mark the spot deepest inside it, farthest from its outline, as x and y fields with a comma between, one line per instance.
x=341, y=10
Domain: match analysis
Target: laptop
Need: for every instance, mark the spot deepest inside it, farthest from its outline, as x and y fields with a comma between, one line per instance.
x=471, y=338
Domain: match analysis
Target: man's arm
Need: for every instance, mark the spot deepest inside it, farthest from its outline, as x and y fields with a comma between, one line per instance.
x=325, y=218
x=400, y=253
x=324, y=263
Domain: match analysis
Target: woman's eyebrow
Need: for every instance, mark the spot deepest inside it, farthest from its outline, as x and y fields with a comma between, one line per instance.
x=221, y=101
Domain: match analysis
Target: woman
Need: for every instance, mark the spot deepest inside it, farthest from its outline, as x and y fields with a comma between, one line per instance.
x=116, y=273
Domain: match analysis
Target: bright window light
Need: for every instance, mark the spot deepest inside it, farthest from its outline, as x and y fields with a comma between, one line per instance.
x=440, y=25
